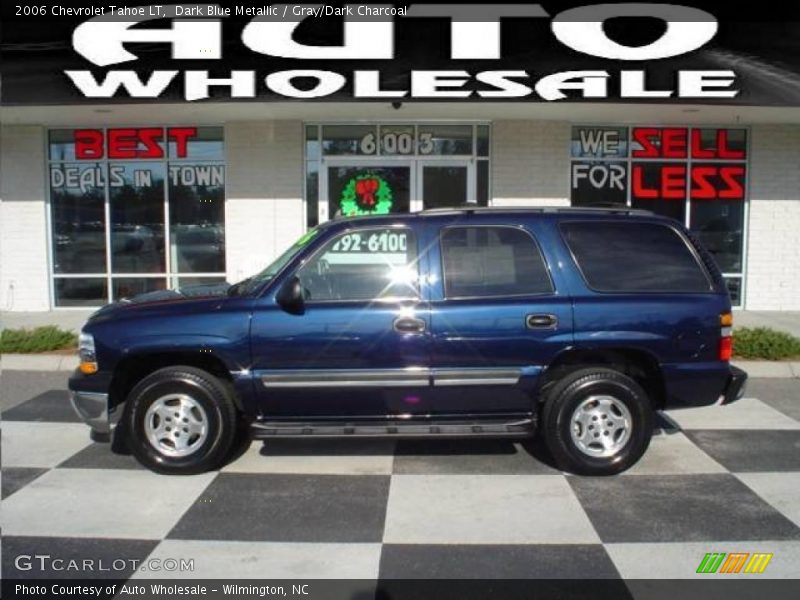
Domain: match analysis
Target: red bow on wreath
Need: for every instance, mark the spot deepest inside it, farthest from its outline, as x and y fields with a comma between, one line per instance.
x=366, y=189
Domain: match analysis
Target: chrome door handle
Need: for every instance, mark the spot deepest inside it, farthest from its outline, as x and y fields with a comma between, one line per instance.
x=408, y=325
x=541, y=321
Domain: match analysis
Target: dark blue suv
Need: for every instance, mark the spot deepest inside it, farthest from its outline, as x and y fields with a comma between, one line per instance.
x=576, y=323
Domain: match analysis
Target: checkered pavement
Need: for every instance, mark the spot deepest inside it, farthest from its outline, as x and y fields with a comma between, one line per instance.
x=716, y=479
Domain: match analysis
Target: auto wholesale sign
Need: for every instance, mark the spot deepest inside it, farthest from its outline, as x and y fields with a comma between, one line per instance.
x=369, y=36
x=630, y=52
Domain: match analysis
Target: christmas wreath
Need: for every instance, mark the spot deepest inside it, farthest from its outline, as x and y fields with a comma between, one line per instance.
x=366, y=195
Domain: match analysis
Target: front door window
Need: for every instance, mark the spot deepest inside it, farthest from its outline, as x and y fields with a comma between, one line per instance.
x=446, y=185
x=367, y=190
x=363, y=265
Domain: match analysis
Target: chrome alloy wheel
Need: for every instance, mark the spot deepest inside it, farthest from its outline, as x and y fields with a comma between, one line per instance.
x=601, y=426
x=176, y=425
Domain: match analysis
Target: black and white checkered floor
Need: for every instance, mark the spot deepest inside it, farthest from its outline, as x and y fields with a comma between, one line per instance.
x=717, y=479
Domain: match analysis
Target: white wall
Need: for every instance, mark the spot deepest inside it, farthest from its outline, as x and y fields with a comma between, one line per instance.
x=264, y=210
x=773, y=265
x=24, y=281
x=530, y=163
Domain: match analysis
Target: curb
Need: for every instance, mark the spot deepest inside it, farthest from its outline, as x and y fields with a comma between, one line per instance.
x=65, y=362
x=769, y=369
x=38, y=362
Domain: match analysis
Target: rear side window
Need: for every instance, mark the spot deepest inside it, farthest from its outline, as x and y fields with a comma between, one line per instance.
x=492, y=261
x=634, y=257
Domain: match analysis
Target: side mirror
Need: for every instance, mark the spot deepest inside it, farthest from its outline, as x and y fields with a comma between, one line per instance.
x=290, y=297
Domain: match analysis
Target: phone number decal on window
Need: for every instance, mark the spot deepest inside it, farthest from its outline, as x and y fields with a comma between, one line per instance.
x=376, y=242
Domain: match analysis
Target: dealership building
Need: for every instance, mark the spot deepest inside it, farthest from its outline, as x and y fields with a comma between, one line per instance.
x=104, y=201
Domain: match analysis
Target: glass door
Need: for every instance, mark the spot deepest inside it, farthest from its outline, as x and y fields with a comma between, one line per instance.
x=446, y=184
x=359, y=187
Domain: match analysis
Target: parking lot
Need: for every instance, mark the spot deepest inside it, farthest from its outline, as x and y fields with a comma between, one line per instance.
x=717, y=479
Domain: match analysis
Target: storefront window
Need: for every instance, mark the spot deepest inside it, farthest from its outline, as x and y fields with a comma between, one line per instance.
x=163, y=191
x=482, y=141
x=81, y=291
x=77, y=202
x=349, y=139
x=697, y=176
x=660, y=188
x=136, y=193
x=397, y=140
x=197, y=217
x=127, y=287
x=373, y=190
x=445, y=139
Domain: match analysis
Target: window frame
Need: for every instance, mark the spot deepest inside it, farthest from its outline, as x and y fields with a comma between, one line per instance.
x=393, y=300
x=553, y=290
x=692, y=251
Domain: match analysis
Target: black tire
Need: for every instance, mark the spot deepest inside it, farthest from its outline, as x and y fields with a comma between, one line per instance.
x=565, y=396
x=213, y=396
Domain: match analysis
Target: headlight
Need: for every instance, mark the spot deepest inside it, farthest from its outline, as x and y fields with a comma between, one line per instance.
x=86, y=354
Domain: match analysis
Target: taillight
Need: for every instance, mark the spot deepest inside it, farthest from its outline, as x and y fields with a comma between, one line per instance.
x=726, y=348
x=726, y=336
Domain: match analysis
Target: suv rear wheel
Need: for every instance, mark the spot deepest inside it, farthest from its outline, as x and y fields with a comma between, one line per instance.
x=182, y=420
x=596, y=421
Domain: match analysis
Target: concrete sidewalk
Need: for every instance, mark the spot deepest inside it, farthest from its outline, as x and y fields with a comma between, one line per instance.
x=72, y=319
x=788, y=321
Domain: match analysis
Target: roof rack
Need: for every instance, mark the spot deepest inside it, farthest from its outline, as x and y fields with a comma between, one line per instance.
x=470, y=209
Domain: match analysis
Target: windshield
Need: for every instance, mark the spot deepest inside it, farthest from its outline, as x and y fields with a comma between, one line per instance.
x=251, y=283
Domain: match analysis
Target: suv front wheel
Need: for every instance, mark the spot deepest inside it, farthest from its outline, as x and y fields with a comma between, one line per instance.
x=182, y=420
x=596, y=421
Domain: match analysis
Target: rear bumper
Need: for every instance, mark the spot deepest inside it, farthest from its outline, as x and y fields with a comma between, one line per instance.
x=735, y=387
x=689, y=385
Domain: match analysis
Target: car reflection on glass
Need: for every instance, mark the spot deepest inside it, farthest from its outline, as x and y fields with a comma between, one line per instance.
x=723, y=241
x=200, y=248
x=79, y=247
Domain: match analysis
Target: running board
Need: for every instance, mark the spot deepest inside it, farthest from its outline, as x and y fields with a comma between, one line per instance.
x=520, y=428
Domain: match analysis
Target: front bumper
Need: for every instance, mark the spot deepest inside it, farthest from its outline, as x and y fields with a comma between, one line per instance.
x=89, y=398
x=735, y=387
x=92, y=408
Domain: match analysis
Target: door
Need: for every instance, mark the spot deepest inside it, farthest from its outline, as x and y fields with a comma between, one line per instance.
x=361, y=345
x=362, y=187
x=445, y=184
x=496, y=318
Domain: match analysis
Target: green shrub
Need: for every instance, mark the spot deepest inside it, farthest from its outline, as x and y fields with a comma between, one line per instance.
x=41, y=339
x=764, y=343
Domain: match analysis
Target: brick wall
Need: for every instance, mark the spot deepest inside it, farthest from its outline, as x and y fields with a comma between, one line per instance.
x=530, y=163
x=24, y=281
x=773, y=262
x=264, y=211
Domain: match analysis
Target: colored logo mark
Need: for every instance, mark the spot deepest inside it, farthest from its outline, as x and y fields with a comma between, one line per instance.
x=734, y=562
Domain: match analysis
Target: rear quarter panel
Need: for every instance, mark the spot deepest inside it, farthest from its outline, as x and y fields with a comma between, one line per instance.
x=680, y=331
